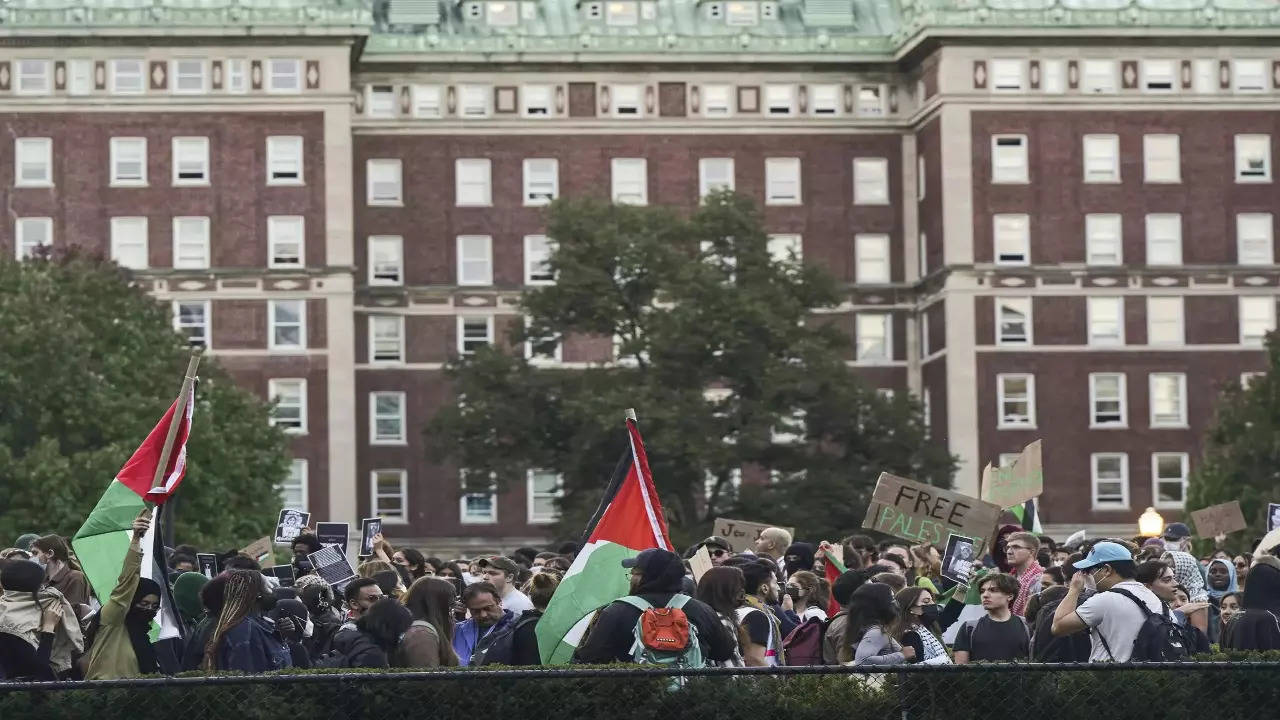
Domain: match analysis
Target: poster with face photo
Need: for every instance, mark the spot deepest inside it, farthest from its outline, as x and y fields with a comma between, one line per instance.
x=208, y=564
x=957, y=564
x=290, y=525
x=1273, y=516
x=369, y=528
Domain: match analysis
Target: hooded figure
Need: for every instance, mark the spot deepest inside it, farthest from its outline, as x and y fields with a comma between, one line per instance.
x=1257, y=627
x=121, y=646
x=799, y=556
x=295, y=630
x=1187, y=570
x=186, y=596
x=21, y=613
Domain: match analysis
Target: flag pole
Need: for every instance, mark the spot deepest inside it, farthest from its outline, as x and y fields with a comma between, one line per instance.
x=178, y=413
x=631, y=414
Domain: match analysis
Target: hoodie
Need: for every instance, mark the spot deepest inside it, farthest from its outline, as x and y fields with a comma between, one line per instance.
x=1257, y=627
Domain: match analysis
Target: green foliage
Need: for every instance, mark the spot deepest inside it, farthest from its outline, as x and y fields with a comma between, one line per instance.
x=88, y=365
x=695, y=304
x=1242, y=452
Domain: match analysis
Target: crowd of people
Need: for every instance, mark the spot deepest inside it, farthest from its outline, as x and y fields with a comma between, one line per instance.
x=1029, y=599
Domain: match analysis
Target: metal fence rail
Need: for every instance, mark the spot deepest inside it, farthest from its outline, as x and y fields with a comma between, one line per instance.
x=1213, y=690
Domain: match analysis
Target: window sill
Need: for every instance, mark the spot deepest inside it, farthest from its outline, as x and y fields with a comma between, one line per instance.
x=287, y=350
x=540, y=521
x=38, y=185
x=1108, y=427
x=1182, y=426
x=298, y=266
x=385, y=203
x=871, y=203
x=285, y=183
x=1174, y=181
x=465, y=521
x=385, y=283
x=783, y=203
x=488, y=284
x=1101, y=182
x=295, y=433
x=1252, y=180
x=389, y=443
x=1002, y=426
x=394, y=520
x=476, y=205
x=1010, y=182
x=127, y=184
x=1110, y=508
x=1008, y=343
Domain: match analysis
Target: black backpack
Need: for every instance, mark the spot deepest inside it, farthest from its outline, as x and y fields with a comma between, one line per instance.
x=1160, y=639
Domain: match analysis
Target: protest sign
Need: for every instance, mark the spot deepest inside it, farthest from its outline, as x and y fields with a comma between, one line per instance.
x=208, y=564
x=1219, y=519
x=331, y=564
x=260, y=550
x=741, y=535
x=290, y=525
x=333, y=533
x=1017, y=483
x=926, y=514
x=700, y=563
x=1273, y=516
x=369, y=527
x=283, y=573
x=957, y=563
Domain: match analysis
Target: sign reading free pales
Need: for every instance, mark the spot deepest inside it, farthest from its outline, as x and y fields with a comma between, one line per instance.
x=926, y=514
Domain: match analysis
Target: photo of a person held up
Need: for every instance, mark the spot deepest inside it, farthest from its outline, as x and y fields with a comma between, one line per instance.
x=957, y=564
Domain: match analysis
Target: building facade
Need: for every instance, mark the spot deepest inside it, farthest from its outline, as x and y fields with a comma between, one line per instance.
x=1051, y=220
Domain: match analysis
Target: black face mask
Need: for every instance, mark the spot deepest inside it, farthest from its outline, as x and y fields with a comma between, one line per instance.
x=794, y=592
x=137, y=616
x=929, y=614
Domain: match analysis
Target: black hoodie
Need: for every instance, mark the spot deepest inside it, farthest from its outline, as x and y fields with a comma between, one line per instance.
x=1258, y=626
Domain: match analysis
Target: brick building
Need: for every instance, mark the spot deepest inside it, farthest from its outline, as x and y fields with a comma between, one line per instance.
x=1052, y=218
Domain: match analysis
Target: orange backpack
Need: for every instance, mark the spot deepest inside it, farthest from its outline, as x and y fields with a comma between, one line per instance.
x=664, y=635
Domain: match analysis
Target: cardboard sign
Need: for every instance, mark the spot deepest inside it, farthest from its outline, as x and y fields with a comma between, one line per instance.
x=1219, y=519
x=369, y=527
x=260, y=550
x=926, y=514
x=333, y=533
x=742, y=535
x=290, y=525
x=208, y=564
x=1016, y=483
x=700, y=563
x=331, y=564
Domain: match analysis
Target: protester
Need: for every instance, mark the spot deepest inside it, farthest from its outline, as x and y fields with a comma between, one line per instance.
x=896, y=582
x=62, y=570
x=40, y=635
x=872, y=612
x=293, y=625
x=121, y=642
x=325, y=620
x=1242, y=563
x=917, y=626
x=837, y=628
x=1052, y=577
x=810, y=595
x=764, y=628
x=372, y=640
x=1257, y=626
x=1188, y=573
x=798, y=557
x=717, y=547
x=1021, y=549
x=501, y=572
x=303, y=545
x=25, y=541
x=926, y=568
x=1229, y=606
x=414, y=562
x=429, y=640
x=1177, y=537
x=242, y=639
x=859, y=551
x=1220, y=582
x=360, y=595
x=1113, y=619
x=186, y=596
x=1000, y=635
x=524, y=641
x=488, y=619
x=723, y=589
x=772, y=544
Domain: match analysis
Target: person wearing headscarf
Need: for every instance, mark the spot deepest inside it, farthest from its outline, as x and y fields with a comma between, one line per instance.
x=1186, y=569
x=1220, y=582
x=121, y=645
x=211, y=597
x=242, y=639
x=186, y=596
x=40, y=629
x=799, y=556
x=1257, y=626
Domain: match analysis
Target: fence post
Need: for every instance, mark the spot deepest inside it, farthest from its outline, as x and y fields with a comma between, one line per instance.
x=902, y=693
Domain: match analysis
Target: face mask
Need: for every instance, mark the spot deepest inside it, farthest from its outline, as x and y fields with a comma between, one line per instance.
x=1172, y=545
x=794, y=592
x=929, y=614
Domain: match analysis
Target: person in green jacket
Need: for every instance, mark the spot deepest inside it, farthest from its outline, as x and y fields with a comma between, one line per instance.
x=122, y=646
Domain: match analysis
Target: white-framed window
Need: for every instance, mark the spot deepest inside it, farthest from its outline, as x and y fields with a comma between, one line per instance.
x=390, y=491
x=473, y=182
x=79, y=76
x=1257, y=318
x=190, y=161
x=1012, y=238
x=129, y=242
x=779, y=99
x=1205, y=73
x=237, y=75
x=1253, y=158
x=191, y=319
x=284, y=160
x=386, y=338
x=286, y=241
x=537, y=100
x=1013, y=321
x=717, y=100
x=1102, y=158
x=293, y=489
x=189, y=75
x=1169, y=475
x=1164, y=239
x=1009, y=159
x=545, y=488
x=870, y=181
x=871, y=258
x=386, y=418
x=475, y=101
x=1168, y=400
x=1098, y=76
x=1109, y=407
x=1106, y=321
x=1053, y=76
x=386, y=260
x=1161, y=159
x=128, y=76
x=1008, y=74
x=622, y=13
x=1165, y=320
x=870, y=101
x=191, y=243
x=630, y=181
x=284, y=75
x=289, y=398
x=33, y=162
x=31, y=233
x=1159, y=76
x=792, y=427
x=742, y=13
x=380, y=101
x=1016, y=400
x=475, y=260
x=474, y=332
x=541, y=180
x=1249, y=75
x=825, y=99
x=543, y=349
x=782, y=181
x=384, y=186
x=128, y=161
x=714, y=174
x=628, y=100
x=537, y=258
x=874, y=337
x=1103, y=239
x=288, y=320
x=1110, y=475
x=1254, y=245
x=478, y=505
x=1247, y=378
x=785, y=248
x=426, y=101
x=32, y=77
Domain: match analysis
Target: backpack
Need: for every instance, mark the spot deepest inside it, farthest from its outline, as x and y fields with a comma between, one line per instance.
x=497, y=648
x=664, y=636
x=803, y=644
x=1160, y=639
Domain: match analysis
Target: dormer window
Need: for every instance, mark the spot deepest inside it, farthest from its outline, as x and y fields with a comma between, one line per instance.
x=626, y=100
x=780, y=99
x=622, y=13
x=503, y=14
x=870, y=102
x=537, y=100
x=742, y=12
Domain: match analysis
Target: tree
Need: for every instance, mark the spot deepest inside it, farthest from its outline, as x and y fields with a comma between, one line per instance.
x=88, y=365
x=1242, y=451
x=719, y=353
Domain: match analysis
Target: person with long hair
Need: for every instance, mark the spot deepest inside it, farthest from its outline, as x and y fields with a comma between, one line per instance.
x=927, y=565
x=241, y=638
x=61, y=569
x=869, y=641
x=810, y=595
x=917, y=626
x=121, y=641
x=414, y=562
x=524, y=641
x=723, y=589
x=429, y=640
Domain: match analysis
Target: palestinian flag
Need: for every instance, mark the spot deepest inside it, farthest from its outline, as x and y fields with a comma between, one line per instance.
x=1027, y=516
x=833, y=569
x=103, y=540
x=629, y=520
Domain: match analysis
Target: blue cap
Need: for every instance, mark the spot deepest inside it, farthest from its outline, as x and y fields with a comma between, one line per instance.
x=1104, y=552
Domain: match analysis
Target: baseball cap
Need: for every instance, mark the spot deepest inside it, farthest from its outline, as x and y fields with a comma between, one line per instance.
x=502, y=563
x=715, y=541
x=1176, y=531
x=1104, y=552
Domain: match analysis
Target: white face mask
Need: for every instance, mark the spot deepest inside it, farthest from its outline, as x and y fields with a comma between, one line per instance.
x=308, y=629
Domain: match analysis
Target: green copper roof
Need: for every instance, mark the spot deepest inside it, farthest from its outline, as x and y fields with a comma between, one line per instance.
x=221, y=16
